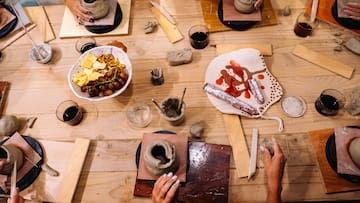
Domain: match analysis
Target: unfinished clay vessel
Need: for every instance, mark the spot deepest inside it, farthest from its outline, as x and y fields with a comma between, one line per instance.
x=160, y=157
x=98, y=8
x=245, y=6
x=12, y=154
x=354, y=151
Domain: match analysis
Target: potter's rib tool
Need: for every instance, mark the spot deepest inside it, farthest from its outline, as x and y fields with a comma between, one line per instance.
x=314, y=8
x=254, y=142
x=164, y=12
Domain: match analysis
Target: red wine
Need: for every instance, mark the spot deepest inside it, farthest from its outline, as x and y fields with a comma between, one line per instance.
x=199, y=40
x=303, y=29
x=87, y=46
x=327, y=105
x=72, y=115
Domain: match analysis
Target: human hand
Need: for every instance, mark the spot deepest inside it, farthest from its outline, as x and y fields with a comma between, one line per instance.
x=258, y=4
x=165, y=188
x=77, y=10
x=15, y=197
x=353, y=10
x=274, y=169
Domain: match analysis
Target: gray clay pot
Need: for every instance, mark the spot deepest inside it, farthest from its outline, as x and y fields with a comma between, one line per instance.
x=98, y=8
x=160, y=157
x=245, y=6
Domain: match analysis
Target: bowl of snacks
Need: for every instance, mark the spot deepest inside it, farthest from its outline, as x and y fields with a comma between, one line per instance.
x=100, y=73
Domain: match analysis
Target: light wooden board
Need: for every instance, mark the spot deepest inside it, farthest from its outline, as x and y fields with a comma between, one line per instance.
x=265, y=49
x=12, y=37
x=238, y=143
x=70, y=28
x=73, y=170
x=323, y=61
x=171, y=31
x=39, y=16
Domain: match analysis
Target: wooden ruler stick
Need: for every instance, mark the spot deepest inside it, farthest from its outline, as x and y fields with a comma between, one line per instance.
x=171, y=31
x=323, y=61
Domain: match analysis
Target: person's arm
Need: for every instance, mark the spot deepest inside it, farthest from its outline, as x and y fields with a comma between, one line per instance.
x=274, y=169
x=353, y=10
x=78, y=11
x=15, y=197
x=165, y=188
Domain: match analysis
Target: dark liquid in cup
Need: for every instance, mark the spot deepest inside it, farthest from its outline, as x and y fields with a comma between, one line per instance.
x=303, y=29
x=87, y=46
x=72, y=115
x=199, y=40
x=327, y=105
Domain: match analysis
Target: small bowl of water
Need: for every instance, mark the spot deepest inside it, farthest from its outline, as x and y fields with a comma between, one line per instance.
x=139, y=114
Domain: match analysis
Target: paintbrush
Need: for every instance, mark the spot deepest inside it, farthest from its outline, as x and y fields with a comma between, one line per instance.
x=181, y=102
x=157, y=105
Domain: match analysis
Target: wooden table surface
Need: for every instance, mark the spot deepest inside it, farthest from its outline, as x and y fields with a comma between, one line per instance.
x=110, y=171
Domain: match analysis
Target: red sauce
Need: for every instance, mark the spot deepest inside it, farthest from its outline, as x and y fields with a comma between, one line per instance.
x=247, y=94
x=220, y=80
x=261, y=76
x=262, y=87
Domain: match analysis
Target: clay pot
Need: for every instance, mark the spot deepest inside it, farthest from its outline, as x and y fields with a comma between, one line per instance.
x=160, y=157
x=245, y=6
x=97, y=8
x=11, y=153
x=170, y=110
x=354, y=151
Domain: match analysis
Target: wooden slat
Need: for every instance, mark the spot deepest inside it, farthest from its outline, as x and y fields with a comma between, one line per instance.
x=323, y=61
x=238, y=143
x=73, y=170
x=39, y=17
x=171, y=31
x=265, y=49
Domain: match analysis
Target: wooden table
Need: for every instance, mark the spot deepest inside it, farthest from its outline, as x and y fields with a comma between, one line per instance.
x=110, y=171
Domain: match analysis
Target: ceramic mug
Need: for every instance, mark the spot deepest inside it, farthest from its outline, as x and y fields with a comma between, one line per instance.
x=11, y=153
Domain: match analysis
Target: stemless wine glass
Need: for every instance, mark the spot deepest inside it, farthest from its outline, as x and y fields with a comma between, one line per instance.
x=69, y=112
x=199, y=36
x=85, y=43
x=329, y=102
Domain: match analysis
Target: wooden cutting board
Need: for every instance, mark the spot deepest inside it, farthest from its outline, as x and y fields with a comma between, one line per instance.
x=208, y=172
x=210, y=15
x=331, y=181
x=324, y=13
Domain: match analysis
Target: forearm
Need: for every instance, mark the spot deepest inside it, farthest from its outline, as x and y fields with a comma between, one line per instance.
x=273, y=197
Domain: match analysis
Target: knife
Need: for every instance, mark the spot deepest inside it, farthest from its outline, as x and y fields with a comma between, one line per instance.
x=164, y=12
x=13, y=179
x=253, y=155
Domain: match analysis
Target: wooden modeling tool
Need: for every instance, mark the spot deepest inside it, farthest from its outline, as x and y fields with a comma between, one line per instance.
x=164, y=12
x=253, y=154
x=323, y=61
x=171, y=31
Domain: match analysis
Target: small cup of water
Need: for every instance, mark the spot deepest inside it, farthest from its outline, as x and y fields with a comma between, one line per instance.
x=69, y=112
x=41, y=53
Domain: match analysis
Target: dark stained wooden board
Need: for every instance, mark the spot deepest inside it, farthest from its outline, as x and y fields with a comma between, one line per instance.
x=332, y=182
x=207, y=176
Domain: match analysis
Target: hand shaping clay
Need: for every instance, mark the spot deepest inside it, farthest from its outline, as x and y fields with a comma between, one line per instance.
x=245, y=6
x=354, y=151
x=160, y=157
x=179, y=57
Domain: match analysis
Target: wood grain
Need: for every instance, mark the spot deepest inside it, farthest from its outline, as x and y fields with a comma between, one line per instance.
x=171, y=31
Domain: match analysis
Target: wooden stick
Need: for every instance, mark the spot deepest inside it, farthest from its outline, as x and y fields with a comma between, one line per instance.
x=314, y=8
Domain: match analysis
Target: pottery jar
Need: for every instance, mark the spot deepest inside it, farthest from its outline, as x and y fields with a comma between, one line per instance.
x=245, y=6
x=11, y=153
x=171, y=111
x=160, y=157
x=97, y=8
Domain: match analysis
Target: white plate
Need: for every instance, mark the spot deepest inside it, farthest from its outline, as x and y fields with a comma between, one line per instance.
x=117, y=53
x=253, y=61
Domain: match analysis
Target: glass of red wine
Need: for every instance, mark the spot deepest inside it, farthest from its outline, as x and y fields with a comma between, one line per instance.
x=85, y=43
x=303, y=26
x=199, y=36
x=329, y=102
x=69, y=112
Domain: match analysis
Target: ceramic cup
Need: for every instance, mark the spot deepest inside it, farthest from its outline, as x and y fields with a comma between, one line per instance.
x=329, y=102
x=11, y=153
x=84, y=44
x=169, y=111
x=199, y=36
x=69, y=112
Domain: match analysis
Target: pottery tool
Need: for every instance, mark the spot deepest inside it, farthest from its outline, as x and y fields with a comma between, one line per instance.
x=73, y=170
x=181, y=101
x=164, y=12
x=323, y=61
x=254, y=143
x=171, y=31
x=157, y=105
x=46, y=168
x=314, y=8
x=4, y=87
